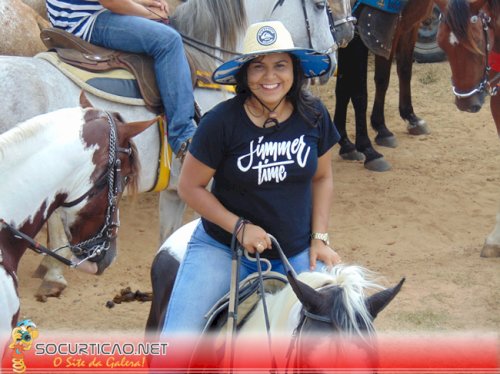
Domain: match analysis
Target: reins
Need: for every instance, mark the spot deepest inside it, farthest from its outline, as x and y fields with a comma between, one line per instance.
x=100, y=242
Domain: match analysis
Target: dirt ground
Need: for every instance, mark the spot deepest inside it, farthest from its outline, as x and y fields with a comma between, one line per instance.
x=425, y=220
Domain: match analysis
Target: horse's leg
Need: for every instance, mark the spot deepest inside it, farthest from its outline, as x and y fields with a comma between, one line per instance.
x=355, y=77
x=171, y=213
x=342, y=97
x=382, y=77
x=404, y=59
x=50, y=269
x=491, y=247
x=171, y=206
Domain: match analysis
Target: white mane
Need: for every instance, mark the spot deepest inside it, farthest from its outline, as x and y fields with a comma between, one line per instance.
x=30, y=132
x=354, y=280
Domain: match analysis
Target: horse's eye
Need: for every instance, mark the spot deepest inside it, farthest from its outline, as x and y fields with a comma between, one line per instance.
x=474, y=19
x=320, y=4
x=126, y=179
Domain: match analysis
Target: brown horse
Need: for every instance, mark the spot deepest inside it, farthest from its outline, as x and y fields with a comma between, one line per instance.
x=351, y=85
x=78, y=161
x=469, y=34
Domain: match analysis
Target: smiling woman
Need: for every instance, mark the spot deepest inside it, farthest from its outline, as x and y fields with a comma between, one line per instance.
x=269, y=152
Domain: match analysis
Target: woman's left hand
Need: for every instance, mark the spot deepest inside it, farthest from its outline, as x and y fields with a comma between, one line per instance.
x=320, y=251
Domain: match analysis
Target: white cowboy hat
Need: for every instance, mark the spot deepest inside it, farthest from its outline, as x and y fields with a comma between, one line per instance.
x=271, y=37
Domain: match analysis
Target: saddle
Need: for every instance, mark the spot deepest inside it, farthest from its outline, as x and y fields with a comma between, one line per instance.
x=249, y=296
x=377, y=22
x=81, y=54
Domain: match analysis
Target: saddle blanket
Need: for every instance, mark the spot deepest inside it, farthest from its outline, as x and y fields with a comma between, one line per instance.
x=390, y=6
x=116, y=85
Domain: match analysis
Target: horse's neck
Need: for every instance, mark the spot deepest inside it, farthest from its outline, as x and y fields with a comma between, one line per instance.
x=41, y=161
x=260, y=12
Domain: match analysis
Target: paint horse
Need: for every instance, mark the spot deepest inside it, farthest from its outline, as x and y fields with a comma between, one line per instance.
x=309, y=312
x=78, y=160
x=211, y=30
x=469, y=34
x=352, y=83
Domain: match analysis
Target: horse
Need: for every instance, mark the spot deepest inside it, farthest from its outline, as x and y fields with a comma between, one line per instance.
x=469, y=34
x=351, y=86
x=30, y=86
x=323, y=304
x=21, y=27
x=81, y=159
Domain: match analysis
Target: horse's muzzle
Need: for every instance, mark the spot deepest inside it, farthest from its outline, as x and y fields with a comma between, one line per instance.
x=471, y=104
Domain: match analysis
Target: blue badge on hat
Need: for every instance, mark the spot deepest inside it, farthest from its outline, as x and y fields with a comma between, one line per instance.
x=266, y=35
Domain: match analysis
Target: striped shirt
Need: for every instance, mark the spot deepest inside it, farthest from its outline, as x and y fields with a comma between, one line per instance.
x=74, y=16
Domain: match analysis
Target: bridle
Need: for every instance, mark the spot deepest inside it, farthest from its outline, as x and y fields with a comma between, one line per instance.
x=95, y=248
x=485, y=84
x=333, y=24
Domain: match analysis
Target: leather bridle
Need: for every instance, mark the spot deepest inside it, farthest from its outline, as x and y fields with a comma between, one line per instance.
x=485, y=84
x=95, y=248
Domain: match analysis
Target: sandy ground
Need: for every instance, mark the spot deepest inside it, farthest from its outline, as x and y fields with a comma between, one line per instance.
x=425, y=220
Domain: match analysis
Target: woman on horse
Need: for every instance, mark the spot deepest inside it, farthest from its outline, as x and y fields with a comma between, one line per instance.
x=128, y=25
x=269, y=152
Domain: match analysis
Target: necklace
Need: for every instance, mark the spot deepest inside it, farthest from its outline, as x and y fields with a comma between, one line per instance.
x=272, y=119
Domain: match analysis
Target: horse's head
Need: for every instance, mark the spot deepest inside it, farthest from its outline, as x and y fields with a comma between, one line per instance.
x=342, y=21
x=92, y=218
x=466, y=36
x=309, y=24
x=336, y=319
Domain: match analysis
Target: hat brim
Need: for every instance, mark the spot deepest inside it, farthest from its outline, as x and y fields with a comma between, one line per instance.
x=313, y=64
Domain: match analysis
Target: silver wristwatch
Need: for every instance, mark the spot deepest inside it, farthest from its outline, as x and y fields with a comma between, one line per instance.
x=323, y=236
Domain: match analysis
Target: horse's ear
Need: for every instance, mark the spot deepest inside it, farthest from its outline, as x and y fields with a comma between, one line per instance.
x=131, y=129
x=84, y=102
x=307, y=295
x=377, y=302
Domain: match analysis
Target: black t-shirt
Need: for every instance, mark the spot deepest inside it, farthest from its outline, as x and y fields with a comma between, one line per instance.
x=263, y=175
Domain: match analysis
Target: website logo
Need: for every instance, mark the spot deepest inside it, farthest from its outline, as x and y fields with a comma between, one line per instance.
x=23, y=336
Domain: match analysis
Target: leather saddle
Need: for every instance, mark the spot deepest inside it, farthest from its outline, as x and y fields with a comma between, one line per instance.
x=377, y=23
x=81, y=54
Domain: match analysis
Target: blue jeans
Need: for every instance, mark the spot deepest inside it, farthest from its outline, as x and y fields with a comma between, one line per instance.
x=173, y=76
x=205, y=276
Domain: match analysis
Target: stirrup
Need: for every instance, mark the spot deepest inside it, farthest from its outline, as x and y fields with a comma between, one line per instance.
x=181, y=154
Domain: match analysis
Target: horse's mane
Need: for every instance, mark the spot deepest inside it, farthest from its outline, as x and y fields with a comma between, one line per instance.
x=353, y=283
x=9, y=141
x=458, y=18
x=349, y=314
x=214, y=22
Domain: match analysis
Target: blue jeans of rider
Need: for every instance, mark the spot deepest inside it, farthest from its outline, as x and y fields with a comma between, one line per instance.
x=173, y=76
x=205, y=276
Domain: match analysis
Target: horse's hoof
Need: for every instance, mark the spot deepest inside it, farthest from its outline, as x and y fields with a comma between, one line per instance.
x=386, y=141
x=378, y=164
x=40, y=272
x=490, y=250
x=51, y=288
x=352, y=156
x=417, y=126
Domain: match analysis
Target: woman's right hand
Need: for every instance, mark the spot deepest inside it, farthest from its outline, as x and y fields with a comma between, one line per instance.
x=254, y=238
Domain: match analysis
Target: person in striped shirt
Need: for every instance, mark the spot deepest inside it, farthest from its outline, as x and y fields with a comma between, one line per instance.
x=129, y=25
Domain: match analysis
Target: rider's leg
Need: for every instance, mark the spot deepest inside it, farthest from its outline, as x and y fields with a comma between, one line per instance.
x=173, y=76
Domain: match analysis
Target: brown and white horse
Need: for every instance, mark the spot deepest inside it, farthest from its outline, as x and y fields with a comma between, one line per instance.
x=469, y=34
x=78, y=160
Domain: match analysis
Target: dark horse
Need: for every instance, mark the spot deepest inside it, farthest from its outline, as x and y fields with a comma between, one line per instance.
x=469, y=34
x=352, y=86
